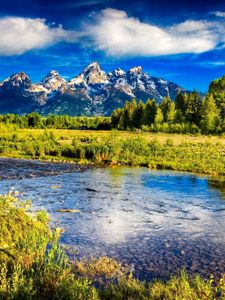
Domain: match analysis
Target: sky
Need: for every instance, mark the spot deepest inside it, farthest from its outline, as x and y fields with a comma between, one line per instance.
x=181, y=41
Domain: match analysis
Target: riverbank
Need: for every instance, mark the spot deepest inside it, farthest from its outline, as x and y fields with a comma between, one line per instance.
x=34, y=266
x=17, y=168
x=199, y=154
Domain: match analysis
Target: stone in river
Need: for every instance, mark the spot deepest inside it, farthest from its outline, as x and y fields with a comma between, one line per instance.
x=69, y=210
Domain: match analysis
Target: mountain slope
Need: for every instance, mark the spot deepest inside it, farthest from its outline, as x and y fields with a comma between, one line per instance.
x=92, y=92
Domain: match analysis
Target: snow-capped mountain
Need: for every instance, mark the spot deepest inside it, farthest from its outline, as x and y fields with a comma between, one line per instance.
x=52, y=81
x=92, y=92
x=92, y=75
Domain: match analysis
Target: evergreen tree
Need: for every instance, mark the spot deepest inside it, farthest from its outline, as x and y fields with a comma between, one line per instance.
x=138, y=115
x=149, y=112
x=115, y=118
x=193, y=108
x=127, y=114
x=180, y=105
x=34, y=120
x=181, y=101
x=164, y=105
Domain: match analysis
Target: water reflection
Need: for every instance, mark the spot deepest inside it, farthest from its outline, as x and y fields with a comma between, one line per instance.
x=218, y=184
x=158, y=221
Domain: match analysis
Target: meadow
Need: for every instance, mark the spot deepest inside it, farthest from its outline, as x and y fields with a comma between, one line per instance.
x=194, y=153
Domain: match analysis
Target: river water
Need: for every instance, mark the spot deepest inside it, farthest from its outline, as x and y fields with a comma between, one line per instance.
x=156, y=221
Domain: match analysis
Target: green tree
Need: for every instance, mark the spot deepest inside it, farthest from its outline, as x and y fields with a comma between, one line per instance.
x=171, y=113
x=34, y=120
x=116, y=115
x=127, y=115
x=164, y=106
x=168, y=109
x=217, y=89
x=193, y=108
x=159, y=116
x=138, y=115
x=149, y=112
x=180, y=105
x=210, y=115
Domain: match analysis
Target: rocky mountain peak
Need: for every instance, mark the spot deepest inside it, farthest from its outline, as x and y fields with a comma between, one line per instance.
x=91, y=75
x=52, y=81
x=136, y=70
x=92, y=92
x=21, y=76
x=93, y=65
x=18, y=80
x=118, y=72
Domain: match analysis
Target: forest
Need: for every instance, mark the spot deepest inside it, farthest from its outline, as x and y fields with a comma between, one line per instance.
x=189, y=113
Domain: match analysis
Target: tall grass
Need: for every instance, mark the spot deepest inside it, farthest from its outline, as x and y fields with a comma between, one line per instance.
x=186, y=153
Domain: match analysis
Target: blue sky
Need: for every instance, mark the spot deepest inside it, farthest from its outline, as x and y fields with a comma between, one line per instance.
x=182, y=41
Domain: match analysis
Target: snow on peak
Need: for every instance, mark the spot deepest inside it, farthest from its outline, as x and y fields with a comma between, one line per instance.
x=17, y=80
x=137, y=70
x=52, y=81
x=21, y=76
x=52, y=74
x=94, y=64
x=92, y=74
x=119, y=72
x=162, y=81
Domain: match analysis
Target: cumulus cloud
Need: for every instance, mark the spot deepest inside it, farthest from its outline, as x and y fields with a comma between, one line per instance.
x=18, y=35
x=115, y=33
x=118, y=34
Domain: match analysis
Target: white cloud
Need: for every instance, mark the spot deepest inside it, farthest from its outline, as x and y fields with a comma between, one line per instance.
x=115, y=33
x=211, y=64
x=218, y=14
x=18, y=35
x=118, y=34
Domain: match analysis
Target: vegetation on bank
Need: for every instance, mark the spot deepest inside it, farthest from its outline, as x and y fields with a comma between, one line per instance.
x=34, y=266
x=202, y=154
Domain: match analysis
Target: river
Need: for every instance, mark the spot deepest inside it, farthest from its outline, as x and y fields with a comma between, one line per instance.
x=156, y=221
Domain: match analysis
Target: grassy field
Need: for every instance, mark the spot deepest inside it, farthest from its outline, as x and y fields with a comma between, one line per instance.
x=34, y=266
x=200, y=154
x=68, y=135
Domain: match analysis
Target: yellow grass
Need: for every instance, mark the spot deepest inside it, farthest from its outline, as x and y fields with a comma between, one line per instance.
x=68, y=135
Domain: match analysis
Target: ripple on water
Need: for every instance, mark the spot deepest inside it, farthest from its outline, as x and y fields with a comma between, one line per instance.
x=156, y=221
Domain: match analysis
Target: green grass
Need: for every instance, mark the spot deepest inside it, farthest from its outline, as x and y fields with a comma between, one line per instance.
x=200, y=154
x=34, y=266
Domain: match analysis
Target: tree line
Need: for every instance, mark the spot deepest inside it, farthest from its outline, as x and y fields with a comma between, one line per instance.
x=35, y=120
x=188, y=113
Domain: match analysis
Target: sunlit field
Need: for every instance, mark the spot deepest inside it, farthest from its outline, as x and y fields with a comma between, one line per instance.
x=196, y=153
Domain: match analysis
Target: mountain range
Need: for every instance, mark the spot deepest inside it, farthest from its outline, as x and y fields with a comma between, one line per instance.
x=92, y=92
